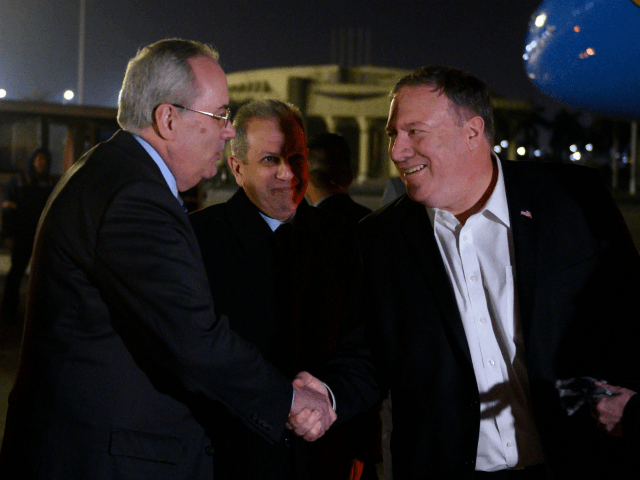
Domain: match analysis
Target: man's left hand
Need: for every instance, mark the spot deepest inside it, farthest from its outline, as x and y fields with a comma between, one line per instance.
x=608, y=411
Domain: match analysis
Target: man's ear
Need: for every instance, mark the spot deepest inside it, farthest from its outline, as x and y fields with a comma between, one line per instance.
x=165, y=116
x=237, y=167
x=475, y=131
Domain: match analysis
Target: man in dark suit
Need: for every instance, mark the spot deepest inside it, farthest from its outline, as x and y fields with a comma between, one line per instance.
x=330, y=175
x=291, y=286
x=124, y=357
x=485, y=285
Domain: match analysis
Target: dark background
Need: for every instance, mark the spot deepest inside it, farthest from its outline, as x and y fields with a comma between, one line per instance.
x=39, y=40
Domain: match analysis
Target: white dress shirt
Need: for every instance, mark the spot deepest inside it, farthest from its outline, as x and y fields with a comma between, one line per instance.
x=479, y=259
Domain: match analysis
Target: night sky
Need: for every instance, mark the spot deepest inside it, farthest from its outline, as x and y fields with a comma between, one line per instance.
x=39, y=40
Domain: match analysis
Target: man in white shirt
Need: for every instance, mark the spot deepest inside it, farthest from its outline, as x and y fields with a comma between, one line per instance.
x=484, y=285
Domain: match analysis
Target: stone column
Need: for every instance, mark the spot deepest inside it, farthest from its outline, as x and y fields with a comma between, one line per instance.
x=331, y=124
x=363, y=149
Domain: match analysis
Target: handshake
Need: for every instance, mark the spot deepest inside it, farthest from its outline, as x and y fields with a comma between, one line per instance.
x=311, y=414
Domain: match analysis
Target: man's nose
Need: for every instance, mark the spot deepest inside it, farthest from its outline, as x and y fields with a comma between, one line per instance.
x=285, y=172
x=400, y=149
x=228, y=132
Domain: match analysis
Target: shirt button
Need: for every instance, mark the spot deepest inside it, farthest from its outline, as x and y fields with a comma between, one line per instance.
x=492, y=363
x=464, y=238
x=483, y=320
x=509, y=444
x=473, y=278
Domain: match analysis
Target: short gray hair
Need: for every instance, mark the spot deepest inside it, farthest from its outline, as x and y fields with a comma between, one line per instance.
x=263, y=109
x=159, y=73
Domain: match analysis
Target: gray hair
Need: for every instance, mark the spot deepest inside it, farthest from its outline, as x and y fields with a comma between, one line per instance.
x=159, y=73
x=263, y=109
x=468, y=95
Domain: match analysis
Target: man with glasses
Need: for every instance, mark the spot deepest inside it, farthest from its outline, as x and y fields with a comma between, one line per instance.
x=290, y=286
x=124, y=357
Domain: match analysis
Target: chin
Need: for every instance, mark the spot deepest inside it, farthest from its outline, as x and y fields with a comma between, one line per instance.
x=417, y=196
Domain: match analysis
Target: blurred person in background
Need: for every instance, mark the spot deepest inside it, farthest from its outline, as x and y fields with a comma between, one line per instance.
x=25, y=196
x=330, y=175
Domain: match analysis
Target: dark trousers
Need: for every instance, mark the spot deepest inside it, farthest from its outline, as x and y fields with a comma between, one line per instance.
x=20, y=255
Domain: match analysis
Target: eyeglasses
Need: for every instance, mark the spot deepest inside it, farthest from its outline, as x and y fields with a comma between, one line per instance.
x=224, y=117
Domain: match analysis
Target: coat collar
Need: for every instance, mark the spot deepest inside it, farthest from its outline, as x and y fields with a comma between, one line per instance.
x=245, y=219
x=418, y=232
x=525, y=214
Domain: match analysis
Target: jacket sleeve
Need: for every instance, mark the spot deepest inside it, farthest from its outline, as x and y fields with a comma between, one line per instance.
x=147, y=264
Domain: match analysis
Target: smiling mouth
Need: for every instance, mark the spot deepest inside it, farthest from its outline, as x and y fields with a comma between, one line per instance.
x=409, y=171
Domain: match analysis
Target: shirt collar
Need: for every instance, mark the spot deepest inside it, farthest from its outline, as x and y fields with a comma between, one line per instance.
x=496, y=206
x=497, y=203
x=166, y=173
x=273, y=223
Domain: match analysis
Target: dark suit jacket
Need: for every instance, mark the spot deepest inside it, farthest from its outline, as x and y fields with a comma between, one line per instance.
x=344, y=208
x=293, y=304
x=577, y=275
x=124, y=356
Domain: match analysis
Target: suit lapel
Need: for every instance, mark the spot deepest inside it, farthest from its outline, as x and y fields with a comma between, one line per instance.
x=525, y=216
x=256, y=240
x=418, y=231
x=244, y=217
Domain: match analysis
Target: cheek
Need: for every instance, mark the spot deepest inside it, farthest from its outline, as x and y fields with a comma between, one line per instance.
x=303, y=175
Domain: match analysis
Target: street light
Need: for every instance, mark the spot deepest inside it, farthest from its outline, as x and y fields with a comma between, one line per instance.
x=68, y=95
x=3, y=93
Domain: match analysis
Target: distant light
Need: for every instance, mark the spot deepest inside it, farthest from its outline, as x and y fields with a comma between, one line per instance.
x=591, y=51
x=588, y=147
x=3, y=93
x=537, y=153
x=573, y=148
x=497, y=149
x=576, y=29
x=68, y=95
x=541, y=19
x=504, y=144
x=575, y=157
x=525, y=56
x=521, y=151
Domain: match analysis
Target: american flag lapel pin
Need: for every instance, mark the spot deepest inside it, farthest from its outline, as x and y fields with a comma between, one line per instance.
x=525, y=213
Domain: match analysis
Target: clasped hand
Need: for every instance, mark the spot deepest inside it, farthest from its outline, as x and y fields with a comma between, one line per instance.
x=608, y=411
x=311, y=413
